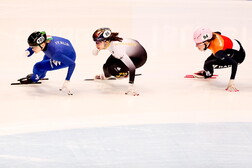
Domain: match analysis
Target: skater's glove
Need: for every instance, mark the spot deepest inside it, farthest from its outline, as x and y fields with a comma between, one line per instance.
x=131, y=90
x=231, y=87
x=66, y=86
x=28, y=52
x=95, y=52
x=101, y=76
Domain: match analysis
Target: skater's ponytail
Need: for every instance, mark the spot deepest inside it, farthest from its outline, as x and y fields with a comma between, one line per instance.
x=114, y=37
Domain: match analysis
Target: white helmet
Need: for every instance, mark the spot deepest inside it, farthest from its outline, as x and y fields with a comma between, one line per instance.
x=102, y=34
x=202, y=34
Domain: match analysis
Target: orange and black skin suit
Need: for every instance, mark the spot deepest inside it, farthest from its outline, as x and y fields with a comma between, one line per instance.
x=225, y=53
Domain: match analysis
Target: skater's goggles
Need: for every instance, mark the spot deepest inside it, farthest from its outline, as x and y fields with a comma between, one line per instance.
x=98, y=42
x=198, y=44
x=33, y=46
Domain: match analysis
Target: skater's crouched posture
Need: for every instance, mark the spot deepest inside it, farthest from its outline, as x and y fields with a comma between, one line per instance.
x=226, y=52
x=59, y=53
x=126, y=56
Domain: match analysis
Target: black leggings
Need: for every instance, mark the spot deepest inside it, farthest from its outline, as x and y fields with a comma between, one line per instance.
x=114, y=66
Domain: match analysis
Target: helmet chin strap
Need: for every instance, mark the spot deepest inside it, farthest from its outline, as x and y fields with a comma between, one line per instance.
x=40, y=47
x=43, y=48
x=206, y=46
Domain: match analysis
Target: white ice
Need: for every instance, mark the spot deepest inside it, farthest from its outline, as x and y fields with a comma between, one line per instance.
x=175, y=122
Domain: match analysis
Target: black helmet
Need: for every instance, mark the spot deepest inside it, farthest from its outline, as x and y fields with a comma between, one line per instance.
x=102, y=34
x=36, y=38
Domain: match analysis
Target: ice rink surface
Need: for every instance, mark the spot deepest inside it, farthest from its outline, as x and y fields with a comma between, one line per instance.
x=175, y=122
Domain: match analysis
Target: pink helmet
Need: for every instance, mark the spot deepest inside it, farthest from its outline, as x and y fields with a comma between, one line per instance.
x=202, y=34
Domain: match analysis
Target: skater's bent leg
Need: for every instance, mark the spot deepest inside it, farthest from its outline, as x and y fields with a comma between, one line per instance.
x=40, y=69
x=106, y=70
x=209, y=66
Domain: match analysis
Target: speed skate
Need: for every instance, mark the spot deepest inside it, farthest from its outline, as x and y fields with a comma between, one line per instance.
x=19, y=82
x=93, y=79
x=110, y=78
x=199, y=77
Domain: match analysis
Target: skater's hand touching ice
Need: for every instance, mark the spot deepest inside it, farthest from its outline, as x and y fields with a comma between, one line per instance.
x=66, y=86
x=131, y=90
x=231, y=87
